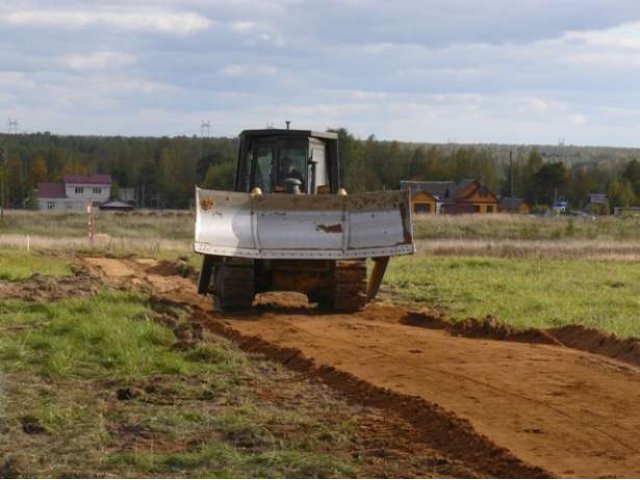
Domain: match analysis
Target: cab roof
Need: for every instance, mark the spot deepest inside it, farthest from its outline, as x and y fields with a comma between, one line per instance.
x=270, y=132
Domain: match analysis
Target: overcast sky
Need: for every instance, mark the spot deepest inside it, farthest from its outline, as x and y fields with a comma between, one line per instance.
x=507, y=71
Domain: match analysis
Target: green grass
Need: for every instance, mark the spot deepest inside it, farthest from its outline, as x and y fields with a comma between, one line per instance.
x=102, y=337
x=157, y=234
x=220, y=460
x=195, y=411
x=18, y=265
x=137, y=224
x=524, y=292
x=523, y=227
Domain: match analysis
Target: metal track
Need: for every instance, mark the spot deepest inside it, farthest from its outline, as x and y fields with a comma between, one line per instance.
x=233, y=285
x=348, y=290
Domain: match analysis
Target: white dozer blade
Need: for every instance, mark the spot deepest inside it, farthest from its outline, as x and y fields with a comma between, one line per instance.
x=289, y=226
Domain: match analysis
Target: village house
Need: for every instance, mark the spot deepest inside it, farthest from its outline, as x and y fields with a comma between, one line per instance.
x=74, y=193
x=514, y=205
x=468, y=196
x=597, y=204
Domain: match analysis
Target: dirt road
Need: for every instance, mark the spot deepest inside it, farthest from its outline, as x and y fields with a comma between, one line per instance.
x=568, y=412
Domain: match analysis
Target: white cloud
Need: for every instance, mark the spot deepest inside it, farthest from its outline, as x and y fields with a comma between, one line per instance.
x=367, y=95
x=14, y=79
x=6, y=99
x=243, y=26
x=534, y=105
x=605, y=59
x=578, y=119
x=141, y=19
x=98, y=60
x=237, y=71
x=624, y=36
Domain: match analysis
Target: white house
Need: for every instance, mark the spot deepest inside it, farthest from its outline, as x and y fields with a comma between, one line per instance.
x=74, y=193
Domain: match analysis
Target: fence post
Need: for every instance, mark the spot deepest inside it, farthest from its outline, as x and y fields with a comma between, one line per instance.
x=91, y=224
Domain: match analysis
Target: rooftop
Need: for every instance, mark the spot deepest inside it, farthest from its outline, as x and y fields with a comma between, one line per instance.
x=92, y=179
x=51, y=190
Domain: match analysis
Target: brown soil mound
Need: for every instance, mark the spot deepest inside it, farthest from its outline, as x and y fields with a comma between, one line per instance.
x=489, y=327
x=178, y=268
x=573, y=336
x=442, y=429
x=597, y=341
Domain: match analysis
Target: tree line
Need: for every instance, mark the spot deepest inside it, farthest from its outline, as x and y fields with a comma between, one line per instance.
x=163, y=171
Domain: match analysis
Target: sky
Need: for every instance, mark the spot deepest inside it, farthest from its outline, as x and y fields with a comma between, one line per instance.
x=491, y=71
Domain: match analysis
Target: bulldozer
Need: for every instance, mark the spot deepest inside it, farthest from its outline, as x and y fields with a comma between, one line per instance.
x=289, y=225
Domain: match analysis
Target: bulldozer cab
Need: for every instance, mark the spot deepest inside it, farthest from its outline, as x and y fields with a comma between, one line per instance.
x=288, y=161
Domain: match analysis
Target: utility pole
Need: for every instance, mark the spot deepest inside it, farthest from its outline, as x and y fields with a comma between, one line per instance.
x=510, y=173
x=3, y=181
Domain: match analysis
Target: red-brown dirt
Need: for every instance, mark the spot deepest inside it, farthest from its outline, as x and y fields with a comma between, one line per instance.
x=529, y=406
x=43, y=288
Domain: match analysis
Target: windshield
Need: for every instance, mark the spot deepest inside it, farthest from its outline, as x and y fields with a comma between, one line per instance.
x=293, y=163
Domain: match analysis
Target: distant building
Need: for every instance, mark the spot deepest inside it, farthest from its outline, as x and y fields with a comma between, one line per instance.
x=514, y=205
x=127, y=195
x=74, y=193
x=468, y=196
x=116, y=206
x=597, y=204
x=427, y=197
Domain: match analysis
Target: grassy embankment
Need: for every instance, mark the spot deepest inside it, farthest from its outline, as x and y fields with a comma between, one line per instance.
x=528, y=272
x=98, y=386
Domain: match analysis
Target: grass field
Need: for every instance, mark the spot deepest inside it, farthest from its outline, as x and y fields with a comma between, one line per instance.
x=101, y=384
x=524, y=292
x=151, y=233
x=178, y=226
x=166, y=224
x=105, y=386
x=16, y=265
x=522, y=227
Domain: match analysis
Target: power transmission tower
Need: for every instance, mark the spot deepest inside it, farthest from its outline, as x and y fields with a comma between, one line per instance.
x=205, y=131
x=12, y=125
x=205, y=128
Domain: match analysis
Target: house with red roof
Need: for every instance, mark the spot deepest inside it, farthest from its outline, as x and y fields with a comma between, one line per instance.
x=74, y=193
x=467, y=196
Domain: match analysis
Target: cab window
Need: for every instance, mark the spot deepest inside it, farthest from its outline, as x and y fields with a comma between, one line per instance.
x=263, y=165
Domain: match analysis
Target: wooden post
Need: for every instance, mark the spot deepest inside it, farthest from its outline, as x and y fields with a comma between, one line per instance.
x=91, y=224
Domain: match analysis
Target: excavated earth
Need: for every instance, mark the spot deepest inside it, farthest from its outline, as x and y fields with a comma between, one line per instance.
x=562, y=403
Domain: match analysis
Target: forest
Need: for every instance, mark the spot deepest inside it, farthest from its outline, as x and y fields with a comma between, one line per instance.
x=164, y=170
